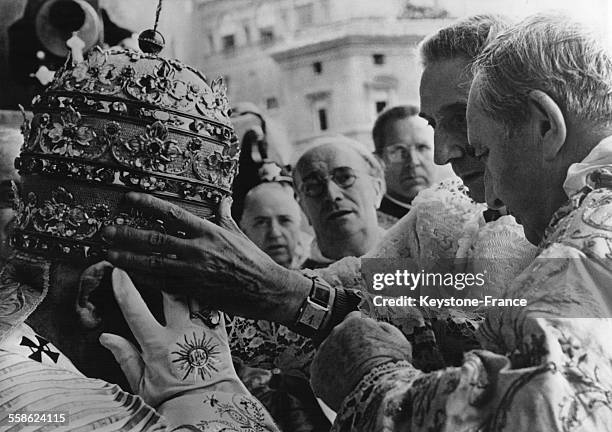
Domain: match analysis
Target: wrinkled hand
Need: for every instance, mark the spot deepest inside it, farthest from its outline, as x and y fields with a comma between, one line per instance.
x=218, y=265
x=353, y=348
x=182, y=357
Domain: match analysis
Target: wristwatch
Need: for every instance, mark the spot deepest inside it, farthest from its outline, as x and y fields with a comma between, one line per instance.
x=316, y=309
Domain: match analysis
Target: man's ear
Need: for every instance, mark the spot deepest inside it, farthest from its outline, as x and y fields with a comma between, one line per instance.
x=90, y=280
x=378, y=191
x=550, y=125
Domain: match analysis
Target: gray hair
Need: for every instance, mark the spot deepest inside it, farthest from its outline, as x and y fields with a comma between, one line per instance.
x=551, y=53
x=375, y=166
x=465, y=38
x=395, y=113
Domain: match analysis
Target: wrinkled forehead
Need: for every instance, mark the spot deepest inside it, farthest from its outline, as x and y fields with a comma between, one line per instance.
x=322, y=160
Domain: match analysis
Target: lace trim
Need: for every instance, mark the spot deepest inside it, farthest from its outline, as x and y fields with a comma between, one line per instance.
x=372, y=377
x=351, y=413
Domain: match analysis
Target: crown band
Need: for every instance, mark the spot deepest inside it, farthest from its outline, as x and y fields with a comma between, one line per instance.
x=123, y=110
x=163, y=186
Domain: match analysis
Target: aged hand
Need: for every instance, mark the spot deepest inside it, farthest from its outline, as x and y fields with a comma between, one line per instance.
x=182, y=357
x=218, y=265
x=353, y=348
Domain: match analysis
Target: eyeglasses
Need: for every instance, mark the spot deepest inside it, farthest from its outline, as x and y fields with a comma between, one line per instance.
x=342, y=176
x=400, y=153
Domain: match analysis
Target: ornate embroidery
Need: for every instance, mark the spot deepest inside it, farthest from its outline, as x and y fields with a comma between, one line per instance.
x=598, y=213
x=24, y=282
x=242, y=413
x=12, y=300
x=590, y=393
x=197, y=356
x=500, y=420
x=262, y=344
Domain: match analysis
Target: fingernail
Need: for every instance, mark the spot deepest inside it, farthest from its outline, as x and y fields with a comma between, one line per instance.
x=108, y=233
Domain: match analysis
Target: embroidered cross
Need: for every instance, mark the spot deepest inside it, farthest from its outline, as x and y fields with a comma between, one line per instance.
x=39, y=349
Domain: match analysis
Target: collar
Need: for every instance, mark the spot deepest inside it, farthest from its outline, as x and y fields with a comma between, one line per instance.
x=317, y=255
x=578, y=174
x=397, y=202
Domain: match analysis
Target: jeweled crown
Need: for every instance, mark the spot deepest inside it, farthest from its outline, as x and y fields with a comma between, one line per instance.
x=119, y=121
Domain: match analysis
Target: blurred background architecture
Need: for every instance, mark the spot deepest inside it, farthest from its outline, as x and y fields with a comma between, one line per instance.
x=309, y=66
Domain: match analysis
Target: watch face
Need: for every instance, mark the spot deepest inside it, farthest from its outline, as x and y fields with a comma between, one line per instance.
x=321, y=294
x=313, y=315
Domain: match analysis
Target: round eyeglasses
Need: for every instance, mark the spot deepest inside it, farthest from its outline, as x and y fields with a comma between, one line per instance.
x=314, y=186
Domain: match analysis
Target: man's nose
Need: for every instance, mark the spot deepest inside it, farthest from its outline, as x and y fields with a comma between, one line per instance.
x=492, y=200
x=446, y=148
x=332, y=191
x=274, y=229
x=412, y=157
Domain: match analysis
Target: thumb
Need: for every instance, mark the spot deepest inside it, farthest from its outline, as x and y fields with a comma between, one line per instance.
x=127, y=356
x=224, y=216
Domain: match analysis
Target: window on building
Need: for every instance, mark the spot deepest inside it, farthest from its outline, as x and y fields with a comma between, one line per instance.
x=305, y=15
x=320, y=105
x=380, y=106
x=229, y=43
x=378, y=59
x=266, y=35
x=271, y=103
x=317, y=67
x=322, y=113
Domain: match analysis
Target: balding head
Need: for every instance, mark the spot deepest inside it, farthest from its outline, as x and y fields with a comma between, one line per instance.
x=340, y=185
x=271, y=219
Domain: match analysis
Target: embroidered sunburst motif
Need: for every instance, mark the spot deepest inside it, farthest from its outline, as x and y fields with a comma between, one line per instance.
x=197, y=356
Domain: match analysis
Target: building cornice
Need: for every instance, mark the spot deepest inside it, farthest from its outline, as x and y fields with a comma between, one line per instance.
x=296, y=51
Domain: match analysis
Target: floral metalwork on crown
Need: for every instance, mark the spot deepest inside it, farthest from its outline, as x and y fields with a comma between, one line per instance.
x=216, y=167
x=60, y=217
x=160, y=86
x=68, y=136
x=155, y=151
x=95, y=74
x=214, y=98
